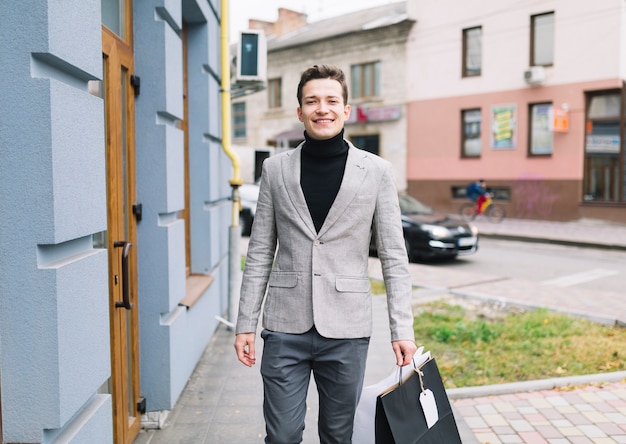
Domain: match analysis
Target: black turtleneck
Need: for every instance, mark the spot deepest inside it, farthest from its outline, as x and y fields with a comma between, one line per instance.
x=323, y=164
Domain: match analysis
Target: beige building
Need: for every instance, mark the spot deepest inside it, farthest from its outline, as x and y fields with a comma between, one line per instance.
x=369, y=45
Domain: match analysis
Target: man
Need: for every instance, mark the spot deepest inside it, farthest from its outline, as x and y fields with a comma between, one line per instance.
x=319, y=203
x=477, y=192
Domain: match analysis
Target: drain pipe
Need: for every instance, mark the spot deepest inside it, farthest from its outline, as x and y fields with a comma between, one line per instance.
x=234, y=233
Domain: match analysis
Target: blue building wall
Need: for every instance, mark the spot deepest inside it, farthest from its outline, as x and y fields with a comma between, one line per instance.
x=172, y=337
x=54, y=295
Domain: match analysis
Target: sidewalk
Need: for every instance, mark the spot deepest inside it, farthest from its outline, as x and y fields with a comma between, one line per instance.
x=222, y=403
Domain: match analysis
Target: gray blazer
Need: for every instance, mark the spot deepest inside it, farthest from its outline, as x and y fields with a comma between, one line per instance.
x=321, y=278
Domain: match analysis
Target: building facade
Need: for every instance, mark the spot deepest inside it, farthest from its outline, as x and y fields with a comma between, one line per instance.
x=114, y=202
x=526, y=95
x=368, y=45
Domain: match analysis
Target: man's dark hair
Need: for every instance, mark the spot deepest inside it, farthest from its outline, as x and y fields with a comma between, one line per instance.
x=323, y=72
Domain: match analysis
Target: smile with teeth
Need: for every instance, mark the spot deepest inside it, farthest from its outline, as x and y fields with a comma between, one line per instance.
x=324, y=121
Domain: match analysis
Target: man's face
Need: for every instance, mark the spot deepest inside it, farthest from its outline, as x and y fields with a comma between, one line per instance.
x=323, y=111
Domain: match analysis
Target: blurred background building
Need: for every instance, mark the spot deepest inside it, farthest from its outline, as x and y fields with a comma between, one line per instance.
x=527, y=95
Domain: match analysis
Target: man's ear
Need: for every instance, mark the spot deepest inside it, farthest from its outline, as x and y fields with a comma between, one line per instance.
x=299, y=112
x=346, y=111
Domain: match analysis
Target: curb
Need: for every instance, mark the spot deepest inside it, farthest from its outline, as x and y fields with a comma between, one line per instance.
x=532, y=386
x=546, y=240
x=603, y=320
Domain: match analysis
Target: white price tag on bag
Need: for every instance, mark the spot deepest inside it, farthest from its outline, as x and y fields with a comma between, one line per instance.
x=429, y=405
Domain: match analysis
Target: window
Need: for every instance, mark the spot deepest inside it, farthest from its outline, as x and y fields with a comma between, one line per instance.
x=368, y=143
x=540, y=132
x=365, y=80
x=470, y=136
x=604, y=164
x=239, y=119
x=542, y=39
x=472, y=51
x=499, y=193
x=274, y=97
x=113, y=13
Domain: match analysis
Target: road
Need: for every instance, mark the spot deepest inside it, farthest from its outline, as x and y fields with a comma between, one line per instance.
x=550, y=264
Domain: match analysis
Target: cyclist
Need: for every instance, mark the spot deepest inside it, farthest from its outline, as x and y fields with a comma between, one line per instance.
x=477, y=192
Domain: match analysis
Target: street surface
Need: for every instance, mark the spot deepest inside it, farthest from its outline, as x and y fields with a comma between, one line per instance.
x=548, y=264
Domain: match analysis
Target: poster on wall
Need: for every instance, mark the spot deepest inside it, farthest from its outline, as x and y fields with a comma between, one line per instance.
x=503, y=126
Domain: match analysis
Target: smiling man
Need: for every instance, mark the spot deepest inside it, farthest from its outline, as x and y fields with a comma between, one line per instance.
x=307, y=266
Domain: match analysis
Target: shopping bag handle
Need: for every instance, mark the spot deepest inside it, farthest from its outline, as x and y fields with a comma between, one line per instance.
x=419, y=372
x=400, y=372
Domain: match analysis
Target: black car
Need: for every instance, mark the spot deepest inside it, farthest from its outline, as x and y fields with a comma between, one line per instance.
x=429, y=235
x=249, y=194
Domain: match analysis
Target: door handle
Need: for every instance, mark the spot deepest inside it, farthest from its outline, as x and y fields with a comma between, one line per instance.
x=125, y=303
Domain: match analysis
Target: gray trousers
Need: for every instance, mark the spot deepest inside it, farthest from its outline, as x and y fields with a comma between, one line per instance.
x=338, y=366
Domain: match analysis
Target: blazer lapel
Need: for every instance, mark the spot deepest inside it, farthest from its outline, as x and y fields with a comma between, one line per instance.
x=291, y=165
x=353, y=177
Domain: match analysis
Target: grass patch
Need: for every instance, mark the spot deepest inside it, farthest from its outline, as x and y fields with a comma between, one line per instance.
x=378, y=286
x=472, y=350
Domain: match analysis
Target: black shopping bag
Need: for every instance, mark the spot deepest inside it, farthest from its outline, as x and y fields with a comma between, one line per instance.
x=400, y=418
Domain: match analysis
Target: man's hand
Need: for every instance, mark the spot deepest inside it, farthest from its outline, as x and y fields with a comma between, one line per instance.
x=244, y=346
x=404, y=351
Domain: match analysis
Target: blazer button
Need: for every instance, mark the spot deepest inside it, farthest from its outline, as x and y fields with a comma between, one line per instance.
x=316, y=242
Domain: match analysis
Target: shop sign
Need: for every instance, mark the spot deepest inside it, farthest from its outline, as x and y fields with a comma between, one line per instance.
x=560, y=120
x=503, y=126
x=602, y=144
x=360, y=114
x=383, y=113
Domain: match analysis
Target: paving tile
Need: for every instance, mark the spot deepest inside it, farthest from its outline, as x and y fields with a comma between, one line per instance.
x=475, y=422
x=503, y=407
x=533, y=437
x=548, y=431
x=503, y=430
x=521, y=425
x=527, y=410
x=595, y=417
x=592, y=431
x=616, y=418
x=495, y=420
x=580, y=440
x=566, y=409
x=577, y=418
x=610, y=429
x=486, y=409
x=537, y=420
x=490, y=438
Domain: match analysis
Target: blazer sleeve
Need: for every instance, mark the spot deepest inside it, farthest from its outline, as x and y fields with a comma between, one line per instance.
x=387, y=226
x=259, y=259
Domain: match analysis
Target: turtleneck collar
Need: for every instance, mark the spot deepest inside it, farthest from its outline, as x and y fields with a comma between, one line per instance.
x=325, y=148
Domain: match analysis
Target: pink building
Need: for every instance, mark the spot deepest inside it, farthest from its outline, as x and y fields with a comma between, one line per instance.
x=528, y=95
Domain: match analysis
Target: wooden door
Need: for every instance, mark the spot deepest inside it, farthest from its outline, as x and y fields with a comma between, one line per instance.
x=121, y=242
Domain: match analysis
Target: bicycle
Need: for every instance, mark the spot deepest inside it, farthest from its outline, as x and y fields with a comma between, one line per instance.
x=494, y=212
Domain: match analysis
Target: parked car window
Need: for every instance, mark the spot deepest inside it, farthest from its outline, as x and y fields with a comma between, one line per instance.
x=408, y=205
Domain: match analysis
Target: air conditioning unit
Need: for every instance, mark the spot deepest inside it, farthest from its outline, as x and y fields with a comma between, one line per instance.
x=535, y=75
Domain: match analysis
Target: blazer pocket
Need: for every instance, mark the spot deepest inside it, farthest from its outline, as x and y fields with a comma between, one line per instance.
x=352, y=284
x=283, y=280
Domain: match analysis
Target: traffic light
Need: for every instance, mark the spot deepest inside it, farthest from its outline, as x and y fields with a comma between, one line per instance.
x=252, y=56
